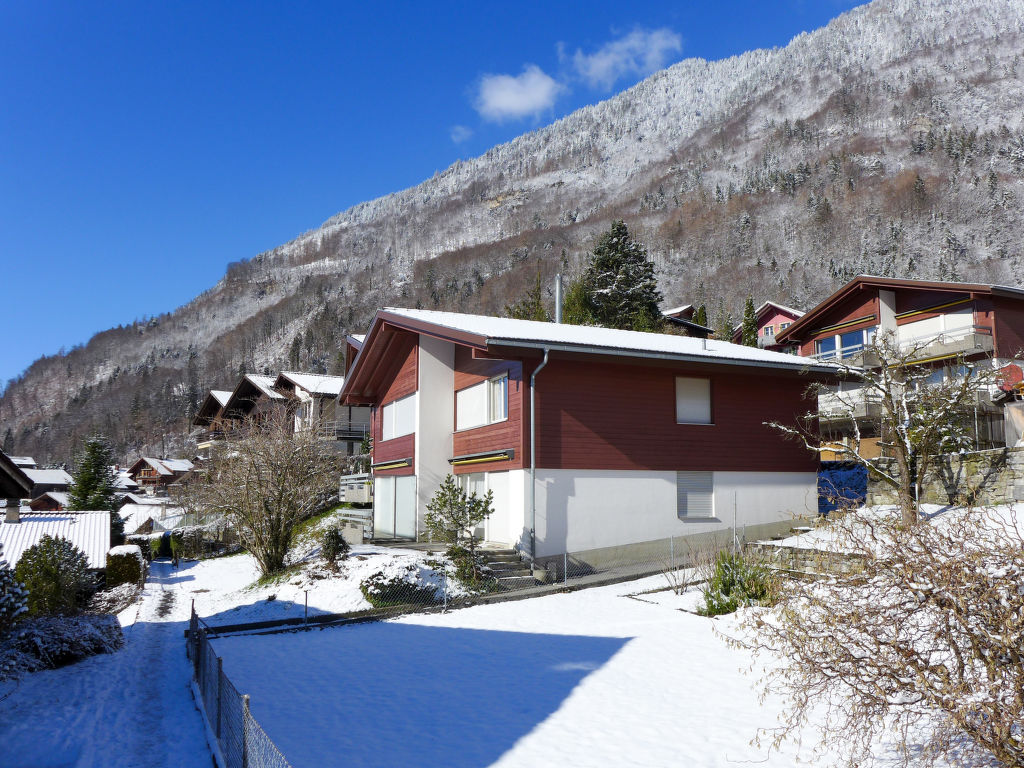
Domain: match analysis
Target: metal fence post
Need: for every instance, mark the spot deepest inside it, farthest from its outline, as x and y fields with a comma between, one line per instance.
x=444, y=588
x=245, y=728
x=220, y=672
x=672, y=553
x=565, y=567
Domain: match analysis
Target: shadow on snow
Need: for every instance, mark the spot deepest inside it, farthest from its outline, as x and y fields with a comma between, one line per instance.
x=387, y=694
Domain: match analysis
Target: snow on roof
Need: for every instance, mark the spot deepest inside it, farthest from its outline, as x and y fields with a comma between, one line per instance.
x=167, y=467
x=124, y=481
x=677, y=310
x=358, y=337
x=89, y=531
x=264, y=384
x=138, y=498
x=537, y=334
x=783, y=307
x=315, y=383
x=221, y=396
x=25, y=462
x=177, y=465
x=136, y=515
x=48, y=476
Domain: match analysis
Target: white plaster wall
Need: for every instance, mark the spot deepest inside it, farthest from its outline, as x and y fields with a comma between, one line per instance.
x=579, y=510
x=435, y=410
x=507, y=524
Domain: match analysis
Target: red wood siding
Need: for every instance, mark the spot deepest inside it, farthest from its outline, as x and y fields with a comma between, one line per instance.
x=622, y=417
x=858, y=305
x=492, y=437
x=1008, y=326
x=403, y=381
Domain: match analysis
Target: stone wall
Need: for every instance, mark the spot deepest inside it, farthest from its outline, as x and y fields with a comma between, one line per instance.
x=801, y=560
x=985, y=477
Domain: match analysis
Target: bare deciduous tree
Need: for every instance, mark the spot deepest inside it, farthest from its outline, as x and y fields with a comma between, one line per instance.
x=927, y=641
x=919, y=416
x=264, y=481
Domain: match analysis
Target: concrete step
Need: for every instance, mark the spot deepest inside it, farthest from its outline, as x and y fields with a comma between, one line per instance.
x=516, y=582
x=507, y=565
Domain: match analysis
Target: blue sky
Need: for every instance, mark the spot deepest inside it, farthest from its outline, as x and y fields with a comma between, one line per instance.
x=145, y=146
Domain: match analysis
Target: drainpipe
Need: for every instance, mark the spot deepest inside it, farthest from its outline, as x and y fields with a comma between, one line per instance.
x=533, y=457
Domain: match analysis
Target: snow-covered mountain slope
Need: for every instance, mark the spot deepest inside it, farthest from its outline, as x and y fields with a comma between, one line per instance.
x=889, y=141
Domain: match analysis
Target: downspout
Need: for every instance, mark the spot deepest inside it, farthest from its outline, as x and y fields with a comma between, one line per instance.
x=533, y=456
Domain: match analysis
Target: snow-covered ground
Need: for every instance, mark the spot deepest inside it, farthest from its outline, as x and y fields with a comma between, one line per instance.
x=590, y=678
x=130, y=709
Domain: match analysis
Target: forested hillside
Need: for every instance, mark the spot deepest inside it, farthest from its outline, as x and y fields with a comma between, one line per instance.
x=889, y=142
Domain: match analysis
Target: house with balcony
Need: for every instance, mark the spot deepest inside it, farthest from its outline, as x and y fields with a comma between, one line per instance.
x=772, y=319
x=155, y=474
x=593, y=441
x=942, y=325
x=313, y=404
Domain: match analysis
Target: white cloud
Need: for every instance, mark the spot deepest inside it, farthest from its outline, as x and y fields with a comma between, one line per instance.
x=461, y=133
x=504, y=97
x=639, y=53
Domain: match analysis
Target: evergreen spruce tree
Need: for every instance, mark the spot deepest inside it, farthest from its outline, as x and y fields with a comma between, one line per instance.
x=530, y=306
x=576, y=309
x=700, y=317
x=620, y=288
x=749, y=326
x=92, y=487
x=13, y=595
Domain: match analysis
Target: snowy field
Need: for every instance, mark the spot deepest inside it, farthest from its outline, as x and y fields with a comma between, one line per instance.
x=590, y=678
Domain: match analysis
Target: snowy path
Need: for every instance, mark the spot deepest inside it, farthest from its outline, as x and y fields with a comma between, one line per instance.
x=127, y=709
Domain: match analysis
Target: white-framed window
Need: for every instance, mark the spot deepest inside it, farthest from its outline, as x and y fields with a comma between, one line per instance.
x=399, y=417
x=695, y=495
x=784, y=326
x=769, y=331
x=483, y=403
x=693, y=400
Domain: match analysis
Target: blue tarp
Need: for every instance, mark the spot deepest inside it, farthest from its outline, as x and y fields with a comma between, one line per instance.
x=841, y=480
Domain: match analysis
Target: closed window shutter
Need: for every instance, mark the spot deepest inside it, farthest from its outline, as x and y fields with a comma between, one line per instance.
x=694, y=494
x=693, y=400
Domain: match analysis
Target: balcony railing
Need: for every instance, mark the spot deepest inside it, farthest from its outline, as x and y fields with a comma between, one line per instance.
x=976, y=338
x=343, y=430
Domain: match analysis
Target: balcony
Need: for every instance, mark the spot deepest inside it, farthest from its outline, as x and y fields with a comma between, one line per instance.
x=842, y=406
x=975, y=339
x=343, y=430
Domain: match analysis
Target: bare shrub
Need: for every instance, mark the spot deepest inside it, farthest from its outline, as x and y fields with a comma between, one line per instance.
x=926, y=642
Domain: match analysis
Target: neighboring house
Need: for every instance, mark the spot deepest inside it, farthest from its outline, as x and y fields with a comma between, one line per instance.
x=940, y=324
x=682, y=317
x=122, y=480
x=25, y=462
x=210, y=417
x=772, y=320
x=639, y=437
x=89, y=531
x=313, y=403
x=44, y=480
x=15, y=485
x=51, y=501
x=154, y=473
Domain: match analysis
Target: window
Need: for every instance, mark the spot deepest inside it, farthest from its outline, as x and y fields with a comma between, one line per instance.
x=398, y=417
x=695, y=495
x=825, y=348
x=693, y=400
x=769, y=331
x=483, y=403
x=784, y=326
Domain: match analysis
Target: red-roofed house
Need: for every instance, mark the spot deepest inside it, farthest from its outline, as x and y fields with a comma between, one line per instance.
x=591, y=439
x=772, y=319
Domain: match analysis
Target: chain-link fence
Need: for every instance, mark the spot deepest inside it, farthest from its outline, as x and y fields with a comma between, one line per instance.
x=241, y=740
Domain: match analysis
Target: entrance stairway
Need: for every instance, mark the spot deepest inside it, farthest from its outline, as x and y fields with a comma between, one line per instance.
x=508, y=568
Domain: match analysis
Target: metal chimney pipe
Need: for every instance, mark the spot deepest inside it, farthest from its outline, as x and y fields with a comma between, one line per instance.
x=558, y=297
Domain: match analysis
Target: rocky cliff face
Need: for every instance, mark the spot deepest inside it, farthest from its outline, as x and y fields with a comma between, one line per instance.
x=888, y=142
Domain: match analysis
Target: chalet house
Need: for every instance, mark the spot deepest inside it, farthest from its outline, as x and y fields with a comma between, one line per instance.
x=209, y=418
x=940, y=324
x=25, y=462
x=590, y=439
x=51, y=501
x=44, y=480
x=89, y=531
x=158, y=473
x=682, y=317
x=313, y=403
x=772, y=319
